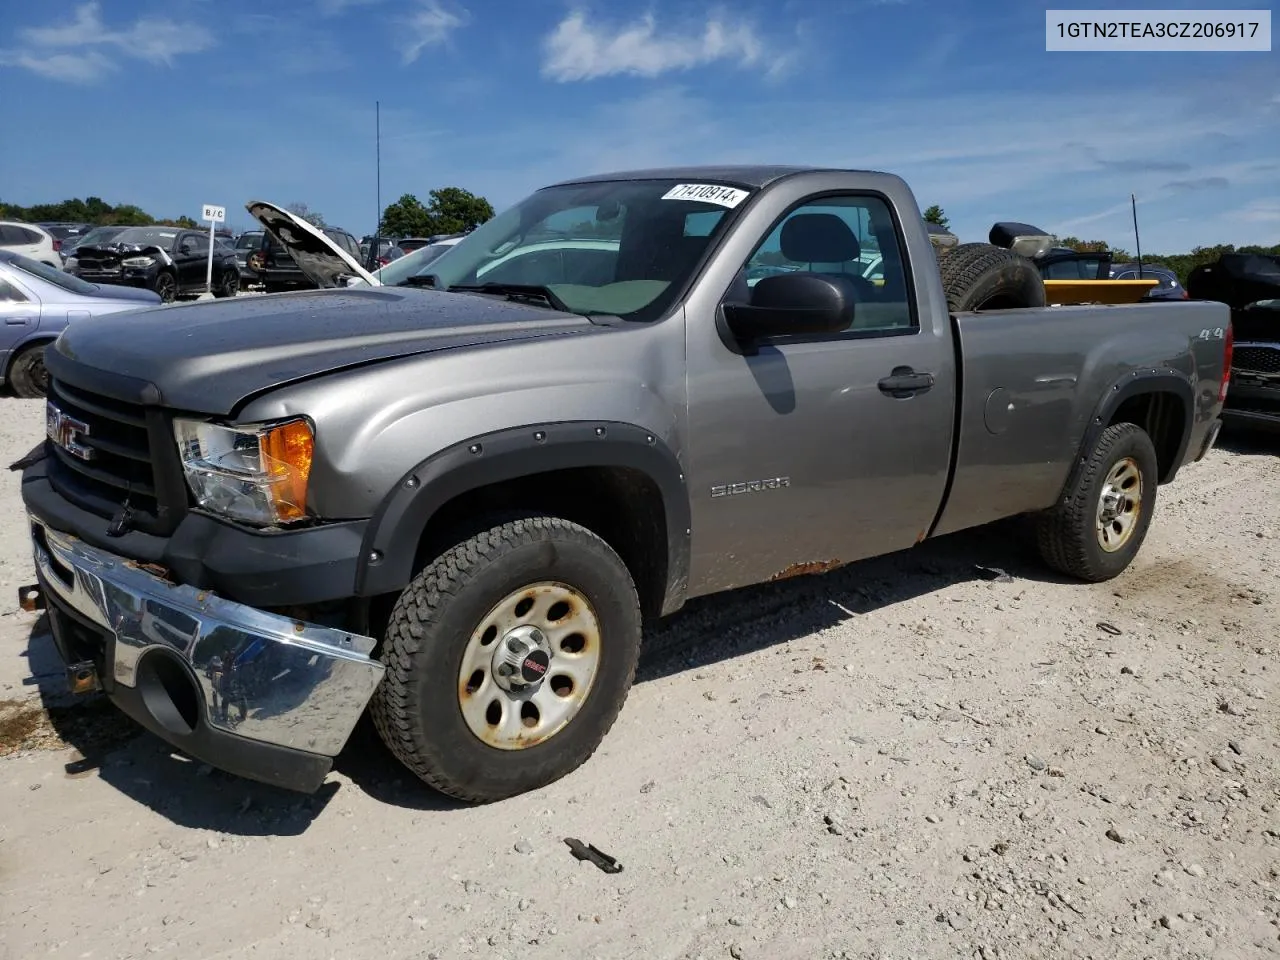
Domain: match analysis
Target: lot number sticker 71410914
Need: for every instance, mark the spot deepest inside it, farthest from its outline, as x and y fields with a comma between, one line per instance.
x=707, y=192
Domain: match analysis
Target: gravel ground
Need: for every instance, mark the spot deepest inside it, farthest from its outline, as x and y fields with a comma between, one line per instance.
x=901, y=759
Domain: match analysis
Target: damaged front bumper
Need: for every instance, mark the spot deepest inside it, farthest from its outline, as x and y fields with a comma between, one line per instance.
x=256, y=694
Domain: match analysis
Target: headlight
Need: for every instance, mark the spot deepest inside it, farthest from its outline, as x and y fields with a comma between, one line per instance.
x=257, y=472
x=137, y=261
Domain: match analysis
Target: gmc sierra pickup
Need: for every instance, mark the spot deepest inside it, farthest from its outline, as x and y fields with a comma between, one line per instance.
x=453, y=497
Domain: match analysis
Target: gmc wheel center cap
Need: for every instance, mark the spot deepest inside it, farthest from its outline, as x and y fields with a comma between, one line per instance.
x=535, y=665
x=522, y=658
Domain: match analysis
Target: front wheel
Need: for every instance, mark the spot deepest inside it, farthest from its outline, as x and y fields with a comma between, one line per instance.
x=229, y=286
x=166, y=284
x=508, y=659
x=1096, y=529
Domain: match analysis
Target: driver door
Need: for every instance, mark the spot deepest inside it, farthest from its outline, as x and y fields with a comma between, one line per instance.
x=803, y=457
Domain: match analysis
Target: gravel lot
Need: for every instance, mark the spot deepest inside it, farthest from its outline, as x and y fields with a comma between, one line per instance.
x=897, y=760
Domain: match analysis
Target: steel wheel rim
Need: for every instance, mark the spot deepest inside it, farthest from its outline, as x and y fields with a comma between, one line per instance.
x=1119, y=505
x=511, y=710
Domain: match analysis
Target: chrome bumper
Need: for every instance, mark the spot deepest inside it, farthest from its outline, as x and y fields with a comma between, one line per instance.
x=259, y=676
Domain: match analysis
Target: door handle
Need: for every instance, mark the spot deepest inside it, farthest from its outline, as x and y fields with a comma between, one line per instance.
x=904, y=382
x=17, y=321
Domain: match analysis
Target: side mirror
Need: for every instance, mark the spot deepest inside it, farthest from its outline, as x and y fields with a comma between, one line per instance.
x=791, y=303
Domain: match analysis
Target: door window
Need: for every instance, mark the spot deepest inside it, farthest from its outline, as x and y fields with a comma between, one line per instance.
x=852, y=240
x=9, y=293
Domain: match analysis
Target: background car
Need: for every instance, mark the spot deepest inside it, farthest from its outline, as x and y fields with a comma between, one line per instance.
x=169, y=260
x=411, y=264
x=64, y=232
x=1168, y=287
x=29, y=240
x=96, y=235
x=244, y=246
x=410, y=244
x=36, y=302
x=276, y=269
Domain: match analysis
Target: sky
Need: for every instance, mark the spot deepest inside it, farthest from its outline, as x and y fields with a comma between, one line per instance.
x=169, y=104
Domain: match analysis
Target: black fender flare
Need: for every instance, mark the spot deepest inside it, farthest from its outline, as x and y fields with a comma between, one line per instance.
x=1133, y=384
x=395, y=531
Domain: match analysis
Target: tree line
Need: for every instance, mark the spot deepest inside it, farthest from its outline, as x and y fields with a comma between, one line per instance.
x=93, y=210
x=1180, y=263
x=447, y=210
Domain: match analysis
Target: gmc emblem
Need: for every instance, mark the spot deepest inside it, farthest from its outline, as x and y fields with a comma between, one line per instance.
x=66, y=432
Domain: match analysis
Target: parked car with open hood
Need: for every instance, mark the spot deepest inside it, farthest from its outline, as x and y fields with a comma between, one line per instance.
x=172, y=261
x=277, y=270
x=36, y=302
x=456, y=500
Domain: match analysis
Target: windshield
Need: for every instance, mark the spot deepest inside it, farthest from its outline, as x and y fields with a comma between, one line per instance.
x=55, y=276
x=622, y=247
x=146, y=237
x=99, y=235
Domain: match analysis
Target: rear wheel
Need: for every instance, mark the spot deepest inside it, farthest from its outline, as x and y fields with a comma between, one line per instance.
x=980, y=276
x=508, y=659
x=1094, y=532
x=28, y=377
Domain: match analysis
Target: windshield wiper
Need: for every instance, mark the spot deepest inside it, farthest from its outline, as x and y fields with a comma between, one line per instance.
x=419, y=280
x=516, y=291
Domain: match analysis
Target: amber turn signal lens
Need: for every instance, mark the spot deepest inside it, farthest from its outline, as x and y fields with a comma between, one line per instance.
x=287, y=450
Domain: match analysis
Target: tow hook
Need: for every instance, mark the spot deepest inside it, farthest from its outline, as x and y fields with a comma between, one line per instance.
x=82, y=677
x=31, y=598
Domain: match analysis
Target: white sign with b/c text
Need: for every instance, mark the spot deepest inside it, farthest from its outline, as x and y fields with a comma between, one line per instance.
x=214, y=214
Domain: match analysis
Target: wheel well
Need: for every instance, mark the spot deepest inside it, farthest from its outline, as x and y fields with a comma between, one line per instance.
x=621, y=505
x=1163, y=416
x=19, y=351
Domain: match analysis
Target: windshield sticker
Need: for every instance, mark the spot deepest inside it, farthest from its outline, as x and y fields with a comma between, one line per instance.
x=707, y=192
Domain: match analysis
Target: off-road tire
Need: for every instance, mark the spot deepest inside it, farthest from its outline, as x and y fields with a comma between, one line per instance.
x=1066, y=534
x=980, y=276
x=27, y=374
x=416, y=708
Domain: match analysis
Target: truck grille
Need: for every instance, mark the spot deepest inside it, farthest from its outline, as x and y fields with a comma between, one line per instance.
x=1258, y=359
x=120, y=465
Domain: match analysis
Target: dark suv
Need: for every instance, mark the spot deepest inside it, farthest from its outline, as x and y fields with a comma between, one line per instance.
x=276, y=269
x=169, y=260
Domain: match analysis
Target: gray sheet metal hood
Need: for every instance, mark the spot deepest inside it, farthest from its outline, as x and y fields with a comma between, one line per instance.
x=321, y=260
x=210, y=357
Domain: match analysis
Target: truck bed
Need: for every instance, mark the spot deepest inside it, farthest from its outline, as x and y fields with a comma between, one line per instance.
x=1029, y=388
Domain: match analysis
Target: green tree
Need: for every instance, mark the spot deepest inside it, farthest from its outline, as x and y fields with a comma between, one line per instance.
x=407, y=217
x=448, y=210
x=454, y=210
x=935, y=214
x=302, y=211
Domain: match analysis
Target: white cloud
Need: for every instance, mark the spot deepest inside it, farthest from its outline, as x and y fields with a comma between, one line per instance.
x=578, y=50
x=428, y=26
x=72, y=67
x=75, y=51
x=999, y=156
x=331, y=8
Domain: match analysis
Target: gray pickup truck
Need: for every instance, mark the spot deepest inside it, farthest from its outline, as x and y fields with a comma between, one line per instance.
x=453, y=497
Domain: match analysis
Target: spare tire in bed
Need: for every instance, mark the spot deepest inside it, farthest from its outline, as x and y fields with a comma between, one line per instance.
x=979, y=276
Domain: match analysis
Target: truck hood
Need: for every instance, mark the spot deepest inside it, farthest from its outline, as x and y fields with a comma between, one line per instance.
x=209, y=357
x=321, y=260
